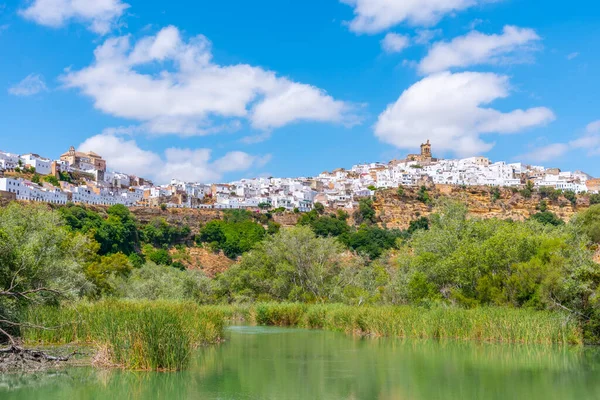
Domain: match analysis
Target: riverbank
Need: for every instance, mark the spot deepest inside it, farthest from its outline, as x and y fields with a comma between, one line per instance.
x=143, y=335
x=135, y=335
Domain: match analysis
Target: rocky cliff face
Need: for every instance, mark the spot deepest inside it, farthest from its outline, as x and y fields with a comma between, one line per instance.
x=396, y=211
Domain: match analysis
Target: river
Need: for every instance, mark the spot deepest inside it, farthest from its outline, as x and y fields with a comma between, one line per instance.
x=296, y=364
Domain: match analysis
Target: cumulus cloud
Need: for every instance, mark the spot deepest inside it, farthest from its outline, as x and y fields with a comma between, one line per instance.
x=394, y=43
x=546, y=153
x=589, y=141
x=100, y=16
x=173, y=86
x=192, y=165
x=477, y=48
x=449, y=109
x=424, y=36
x=29, y=86
x=373, y=16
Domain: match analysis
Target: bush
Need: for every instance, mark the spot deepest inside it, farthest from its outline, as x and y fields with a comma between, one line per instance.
x=234, y=237
x=548, y=218
x=423, y=195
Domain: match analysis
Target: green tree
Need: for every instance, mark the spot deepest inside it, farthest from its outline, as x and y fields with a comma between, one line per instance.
x=420, y=223
x=547, y=217
x=293, y=265
x=400, y=191
x=571, y=196
x=319, y=208
x=366, y=211
x=51, y=179
x=41, y=262
x=423, y=195
x=588, y=222
x=103, y=271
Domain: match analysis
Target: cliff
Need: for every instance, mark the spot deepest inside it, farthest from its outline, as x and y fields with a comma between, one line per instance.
x=396, y=211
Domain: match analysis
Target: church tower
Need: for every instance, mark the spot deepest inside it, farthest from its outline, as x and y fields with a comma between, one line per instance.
x=426, y=150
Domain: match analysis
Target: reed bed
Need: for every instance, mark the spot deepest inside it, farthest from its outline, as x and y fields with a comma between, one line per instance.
x=136, y=335
x=489, y=324
x=160, y=335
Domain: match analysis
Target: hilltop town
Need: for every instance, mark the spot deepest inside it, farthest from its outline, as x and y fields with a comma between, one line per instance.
x=86, y=178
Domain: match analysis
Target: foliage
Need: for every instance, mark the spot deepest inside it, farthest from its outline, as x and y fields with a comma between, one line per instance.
x=319, y=208
x=594, y=199
x=159, y=233
x=473, y=262
x=234, y=238
x=400, y=191
x=40, y=261
x=372, y=188
x=51, y=179
x=156, y=282
x=157, y=256
x=264, y=206
x=549, y=192
x=138, y=335
x=487, y=324
x=64, y=177
x=294, y=265
x=365, y=212
x=423, y=195
x=325, y=225
x=527, y=191
x=372, y=240
x=420, y=223
x=102, y=271
x=495, y=192
x=117, y=233
x=571, y=196
x=547, y=217
x=588, y=222
x=36, y=179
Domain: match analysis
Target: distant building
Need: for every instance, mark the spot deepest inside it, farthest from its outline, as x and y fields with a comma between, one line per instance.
x=41, y=165
x=425, y=156
x=85, y=161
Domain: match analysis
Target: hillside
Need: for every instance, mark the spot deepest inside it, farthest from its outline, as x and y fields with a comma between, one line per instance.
x=396, y=211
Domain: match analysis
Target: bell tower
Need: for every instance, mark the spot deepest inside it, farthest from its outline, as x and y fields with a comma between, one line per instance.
x=426, y=150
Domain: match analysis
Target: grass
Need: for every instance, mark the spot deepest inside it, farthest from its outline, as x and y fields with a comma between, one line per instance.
x=160, y=335
x=503, y=325
x=134, y=335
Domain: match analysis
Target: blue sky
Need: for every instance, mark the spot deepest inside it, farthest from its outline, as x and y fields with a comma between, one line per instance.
x=215, y=90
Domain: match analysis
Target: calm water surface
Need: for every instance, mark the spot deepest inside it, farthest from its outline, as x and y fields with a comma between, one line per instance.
x=279, y=364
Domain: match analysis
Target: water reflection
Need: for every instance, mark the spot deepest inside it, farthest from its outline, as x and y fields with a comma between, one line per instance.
x=275, y=363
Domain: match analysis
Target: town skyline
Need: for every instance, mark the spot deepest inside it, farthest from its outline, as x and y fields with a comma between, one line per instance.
x=207, y=92
x=85, y=177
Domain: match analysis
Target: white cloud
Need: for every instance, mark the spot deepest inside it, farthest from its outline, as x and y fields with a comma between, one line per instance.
x=424, y=36
x=31, y=85
x=372, y=16
x=99, y=15
x=593, y=127
x=589, y=141
x=477, y=48
x=546, y=153
x=394, y=43
x=572, y=56
x=449, y=110
x=183, y=91
x=193, y=165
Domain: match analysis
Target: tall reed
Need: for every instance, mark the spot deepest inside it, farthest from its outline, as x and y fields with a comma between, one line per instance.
x=490, y=324
x=135, y=335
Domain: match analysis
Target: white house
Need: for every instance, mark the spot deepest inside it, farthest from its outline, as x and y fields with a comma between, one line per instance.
x=42, y=165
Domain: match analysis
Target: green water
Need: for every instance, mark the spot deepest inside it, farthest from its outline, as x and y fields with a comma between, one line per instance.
x=277, y=363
